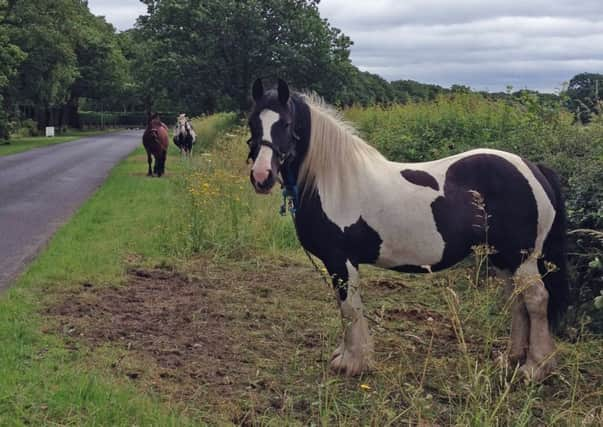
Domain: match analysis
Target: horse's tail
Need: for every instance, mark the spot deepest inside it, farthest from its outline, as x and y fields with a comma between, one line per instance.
x=555, y=251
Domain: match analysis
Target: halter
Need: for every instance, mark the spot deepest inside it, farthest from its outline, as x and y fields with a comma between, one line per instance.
x=289, y=183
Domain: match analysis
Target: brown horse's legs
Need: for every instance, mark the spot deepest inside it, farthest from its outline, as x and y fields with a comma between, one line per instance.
x=160, y=162
x=149, y=160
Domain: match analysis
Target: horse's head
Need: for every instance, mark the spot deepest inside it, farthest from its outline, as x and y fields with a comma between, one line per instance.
x=183, y=127
x=273, y=138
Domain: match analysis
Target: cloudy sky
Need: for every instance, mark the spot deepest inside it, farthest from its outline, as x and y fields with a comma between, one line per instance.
x=535, y=44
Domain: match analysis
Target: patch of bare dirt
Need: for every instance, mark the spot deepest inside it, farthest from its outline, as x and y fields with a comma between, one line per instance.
x=163, y=315
x=387, y=284
x=214, y=336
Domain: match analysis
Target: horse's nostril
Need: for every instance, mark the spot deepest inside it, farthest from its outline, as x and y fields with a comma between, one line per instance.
x=267, y=182
x=262, y=177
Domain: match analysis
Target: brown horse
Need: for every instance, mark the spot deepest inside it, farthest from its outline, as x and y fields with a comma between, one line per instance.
x=155, y=142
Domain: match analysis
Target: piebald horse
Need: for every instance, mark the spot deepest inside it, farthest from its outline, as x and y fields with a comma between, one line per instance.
x=184, y=135
x=353, y=206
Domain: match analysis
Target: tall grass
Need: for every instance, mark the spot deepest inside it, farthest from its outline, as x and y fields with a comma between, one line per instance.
x=209, y=128
x=226, y=216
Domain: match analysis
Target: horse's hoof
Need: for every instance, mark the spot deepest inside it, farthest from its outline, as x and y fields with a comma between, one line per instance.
x=517, y=358
x=536, y=373
x=345, y=362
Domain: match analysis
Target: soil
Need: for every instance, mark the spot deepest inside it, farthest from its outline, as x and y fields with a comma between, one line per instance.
x=202, y=336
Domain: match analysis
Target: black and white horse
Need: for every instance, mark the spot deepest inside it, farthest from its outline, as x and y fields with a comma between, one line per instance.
x=184, y=135
x=354, y=207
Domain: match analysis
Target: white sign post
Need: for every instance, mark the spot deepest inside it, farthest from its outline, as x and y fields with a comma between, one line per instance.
x=49, y=130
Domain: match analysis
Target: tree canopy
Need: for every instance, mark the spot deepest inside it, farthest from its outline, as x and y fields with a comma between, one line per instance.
x=583, y=95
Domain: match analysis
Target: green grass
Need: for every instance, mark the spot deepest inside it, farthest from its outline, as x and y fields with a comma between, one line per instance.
x=42, y=379
x=20, y=144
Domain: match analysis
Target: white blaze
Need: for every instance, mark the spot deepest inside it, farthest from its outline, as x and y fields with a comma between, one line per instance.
x=263, y=162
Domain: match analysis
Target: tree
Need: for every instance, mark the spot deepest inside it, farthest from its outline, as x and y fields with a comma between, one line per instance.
x=206, y=54
x=10, y=58
x=583, y=95
x=70, y=54
x=42, y=29
x=102, y=68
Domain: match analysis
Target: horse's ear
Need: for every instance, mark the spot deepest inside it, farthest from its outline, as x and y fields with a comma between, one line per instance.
x=258, y=90
x=283, y=91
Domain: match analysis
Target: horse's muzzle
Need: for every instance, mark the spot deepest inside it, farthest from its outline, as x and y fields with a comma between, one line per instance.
x=265, y=186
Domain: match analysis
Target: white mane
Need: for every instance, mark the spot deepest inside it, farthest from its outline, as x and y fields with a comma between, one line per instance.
x=337, y=157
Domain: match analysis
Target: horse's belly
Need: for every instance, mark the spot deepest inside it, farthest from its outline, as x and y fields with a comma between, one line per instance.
x=420, y=246
x=409, y=234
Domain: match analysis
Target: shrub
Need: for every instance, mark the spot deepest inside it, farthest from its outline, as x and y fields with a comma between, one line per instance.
x=209, y=128
x=26, y=128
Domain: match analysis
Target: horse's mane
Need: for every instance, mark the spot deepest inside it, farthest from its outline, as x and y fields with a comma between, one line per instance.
x=154, y=121
x=336, y=155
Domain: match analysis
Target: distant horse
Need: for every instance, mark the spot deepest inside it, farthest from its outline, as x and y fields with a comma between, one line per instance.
x=353, y=206
x=155, y=141
x=184, y=135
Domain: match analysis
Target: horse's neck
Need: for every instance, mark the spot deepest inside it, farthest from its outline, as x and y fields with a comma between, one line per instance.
x=155, y=124
x=338, y=163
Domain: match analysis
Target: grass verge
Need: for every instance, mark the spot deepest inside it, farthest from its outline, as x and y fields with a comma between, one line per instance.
x=42, y=379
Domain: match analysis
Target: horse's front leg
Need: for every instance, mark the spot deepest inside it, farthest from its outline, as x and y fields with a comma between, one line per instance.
x=355, y=354
x=540, y=360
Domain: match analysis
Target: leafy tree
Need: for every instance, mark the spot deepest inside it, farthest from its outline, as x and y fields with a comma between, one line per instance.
x=410, y=90
x=102, y=67
x=583, y=95
x=70, y=54
x=42, y=29
x=10, y=58
x=206, y=54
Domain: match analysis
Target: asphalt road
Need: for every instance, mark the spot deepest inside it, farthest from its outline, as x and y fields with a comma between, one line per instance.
x=41, y=188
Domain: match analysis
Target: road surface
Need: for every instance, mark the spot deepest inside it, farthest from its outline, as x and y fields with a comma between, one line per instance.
x=41, y=188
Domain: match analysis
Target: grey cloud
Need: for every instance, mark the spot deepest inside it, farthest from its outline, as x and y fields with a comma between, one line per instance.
x=381, y=14
x=487, y=45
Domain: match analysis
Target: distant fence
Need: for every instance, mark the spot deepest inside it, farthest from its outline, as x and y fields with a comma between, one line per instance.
x=138, y=119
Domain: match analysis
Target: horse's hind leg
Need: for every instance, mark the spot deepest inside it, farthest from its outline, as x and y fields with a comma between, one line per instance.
x=149, y=160
x=163, y=160
x=540, y=356
x=160, y=163
x=354, y=355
